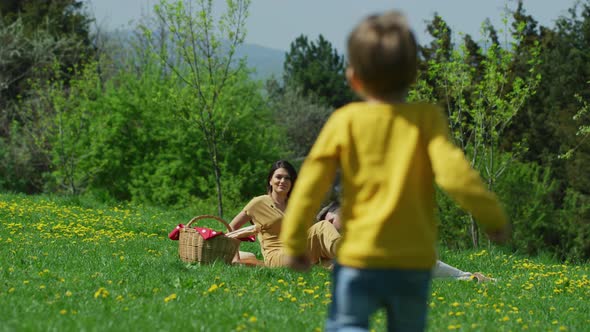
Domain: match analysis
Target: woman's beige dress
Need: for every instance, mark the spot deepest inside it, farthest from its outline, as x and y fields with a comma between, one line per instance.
x=322, y=237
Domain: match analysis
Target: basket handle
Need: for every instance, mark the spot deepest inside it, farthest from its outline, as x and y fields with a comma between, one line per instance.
x=208, y=216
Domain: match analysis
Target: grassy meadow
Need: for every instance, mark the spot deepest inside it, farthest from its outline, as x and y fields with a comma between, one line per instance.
x=67, y=265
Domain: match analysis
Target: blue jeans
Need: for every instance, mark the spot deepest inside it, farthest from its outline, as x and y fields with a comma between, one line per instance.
x=358, y=293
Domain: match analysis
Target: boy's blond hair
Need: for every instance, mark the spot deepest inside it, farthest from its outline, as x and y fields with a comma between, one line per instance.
x=382, y=52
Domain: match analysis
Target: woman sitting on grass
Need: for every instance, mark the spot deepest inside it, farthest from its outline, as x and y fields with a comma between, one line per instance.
x=266, y=213
x=330, y=213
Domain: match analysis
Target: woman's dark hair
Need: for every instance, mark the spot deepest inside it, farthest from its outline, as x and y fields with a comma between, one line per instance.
x=290, y=169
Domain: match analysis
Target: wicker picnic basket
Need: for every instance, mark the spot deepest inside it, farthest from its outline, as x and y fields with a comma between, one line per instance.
x=193, y=248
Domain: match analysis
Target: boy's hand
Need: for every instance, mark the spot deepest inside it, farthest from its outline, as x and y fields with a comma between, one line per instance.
x=298, y=263
x=501, y=235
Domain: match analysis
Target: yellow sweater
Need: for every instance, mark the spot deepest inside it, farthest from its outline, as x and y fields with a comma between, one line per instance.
x=389, y=156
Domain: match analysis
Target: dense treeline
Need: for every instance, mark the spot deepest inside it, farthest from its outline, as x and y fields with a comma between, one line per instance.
x=167, y=119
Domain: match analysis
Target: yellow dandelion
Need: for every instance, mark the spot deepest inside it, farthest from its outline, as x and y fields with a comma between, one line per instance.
x=101, y=292
x=63, y=311
x=68, y=293
x=170, y=297
x=253, y=319
x=308, y=291
x=481, y=253
x=293, y=299
x=213, y=288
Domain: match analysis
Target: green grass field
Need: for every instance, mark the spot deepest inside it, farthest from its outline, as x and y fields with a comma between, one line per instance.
x=66, y=266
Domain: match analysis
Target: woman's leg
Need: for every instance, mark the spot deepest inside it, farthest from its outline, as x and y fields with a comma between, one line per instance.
x=246, y=255
x=322, y=241
x=443, y=270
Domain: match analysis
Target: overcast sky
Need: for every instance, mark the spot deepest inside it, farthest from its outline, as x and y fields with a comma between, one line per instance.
x=276, y=23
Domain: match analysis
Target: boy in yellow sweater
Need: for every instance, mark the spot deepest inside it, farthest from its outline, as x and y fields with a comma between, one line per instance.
x=390, y=153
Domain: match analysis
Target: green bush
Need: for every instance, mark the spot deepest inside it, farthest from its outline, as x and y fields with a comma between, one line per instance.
x=526, y=190
x=454, y=223
x=21, y=162
x=139, y=147
x=572, y=228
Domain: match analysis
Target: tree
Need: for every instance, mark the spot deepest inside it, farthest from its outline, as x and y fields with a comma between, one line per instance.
x=24, y=59
x=43, y=30
x=35, y=35
x=441, y=46
x=204, y=49
x=582, y=116
x=565, y=70
x=438, y=51
x=301, y=118
x=67, y=123
x=317, y=70
x=480, y=105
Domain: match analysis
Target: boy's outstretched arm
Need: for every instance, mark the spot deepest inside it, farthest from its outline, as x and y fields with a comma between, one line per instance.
x=454, y=174
x=315, y=178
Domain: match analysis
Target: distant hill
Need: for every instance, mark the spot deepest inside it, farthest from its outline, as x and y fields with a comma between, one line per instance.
x=265, y=61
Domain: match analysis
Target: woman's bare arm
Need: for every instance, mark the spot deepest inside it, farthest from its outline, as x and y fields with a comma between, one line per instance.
x=239, y=220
